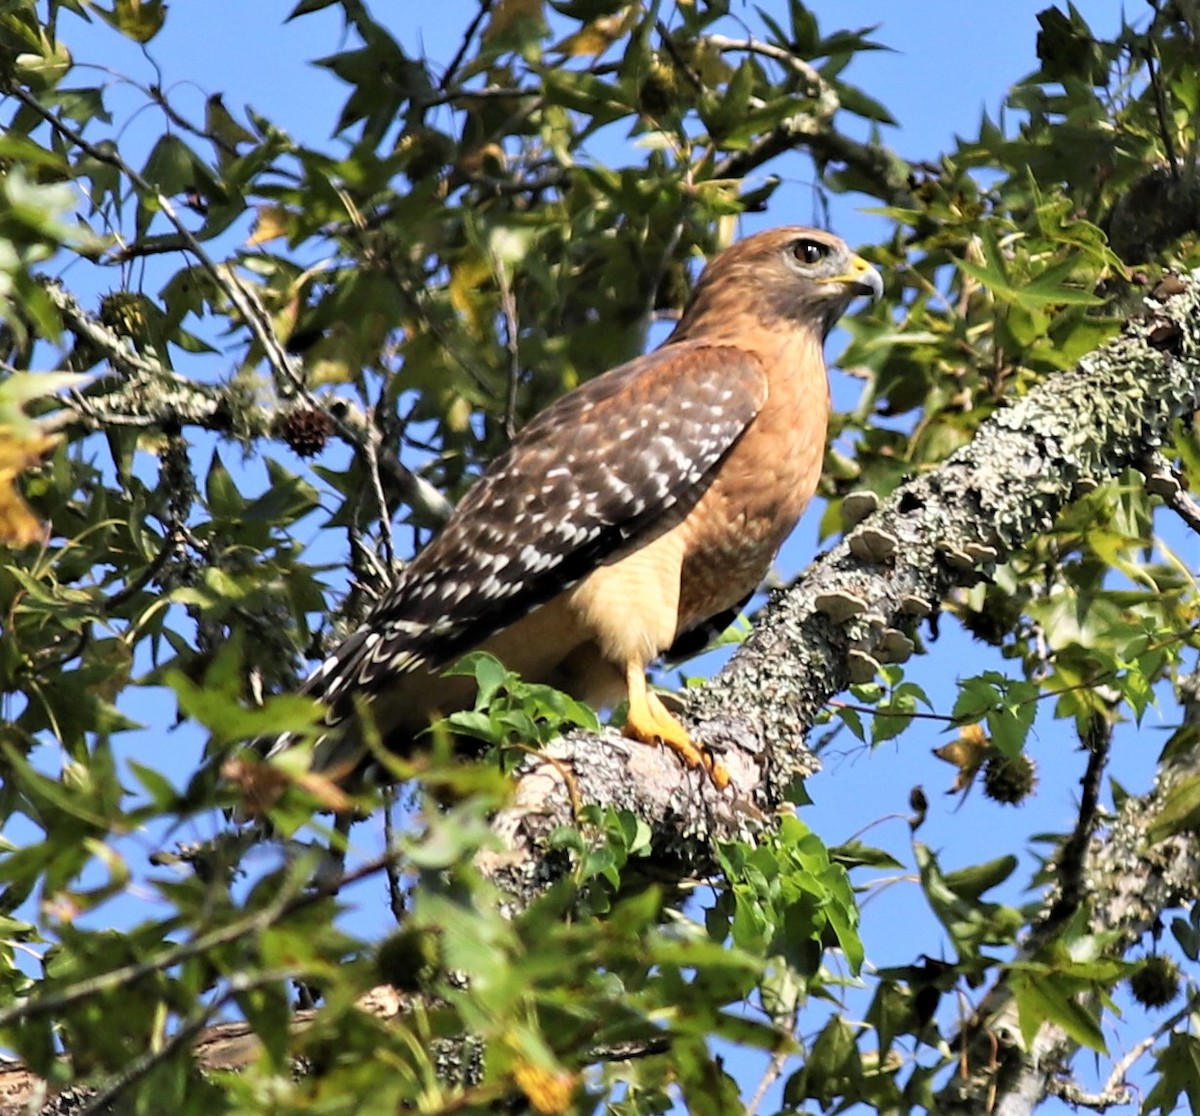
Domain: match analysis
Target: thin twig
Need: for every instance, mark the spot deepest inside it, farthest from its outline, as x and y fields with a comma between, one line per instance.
x=944, y=718
x=512, y=341
x=350, y=424
x=818, y=88
x=192, y=1026
x=1115, y=1090
x=243, y=298
x=385, y=517
x=394, y=889
x=246, y=304
x=170, y=542
x=770, y=1075
x=683, y=65
x=225, y=935
x=1071, y=860
x=485, y=6
x=1160, y=110
x=119, y=350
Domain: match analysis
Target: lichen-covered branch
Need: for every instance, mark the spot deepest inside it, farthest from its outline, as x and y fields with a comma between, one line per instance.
x=143, y=392
x=851, y=608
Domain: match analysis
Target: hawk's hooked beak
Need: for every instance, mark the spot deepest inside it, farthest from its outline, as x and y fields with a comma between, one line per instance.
x=861, y=278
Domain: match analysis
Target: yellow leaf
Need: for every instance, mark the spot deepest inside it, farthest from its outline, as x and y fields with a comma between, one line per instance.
x=549, y=1091
x=596, y=37
x=967, y=753
x=141, y=20
x=467, y=278
x=18, y=451
x=509, y=14
x=271, y=223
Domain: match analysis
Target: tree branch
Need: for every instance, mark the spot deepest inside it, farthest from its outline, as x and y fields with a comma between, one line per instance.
x=812, y=129
x=940, y=531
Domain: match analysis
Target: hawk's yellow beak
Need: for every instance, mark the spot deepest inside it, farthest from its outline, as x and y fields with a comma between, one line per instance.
x=860, y=276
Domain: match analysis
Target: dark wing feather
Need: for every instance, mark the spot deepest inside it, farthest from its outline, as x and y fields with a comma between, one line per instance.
x=593, y=471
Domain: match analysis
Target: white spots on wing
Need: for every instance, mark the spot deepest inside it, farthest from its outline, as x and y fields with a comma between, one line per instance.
x=624, y=492
x=679, y=462
x=573, y=535
x=559, y=471
x=492, y=587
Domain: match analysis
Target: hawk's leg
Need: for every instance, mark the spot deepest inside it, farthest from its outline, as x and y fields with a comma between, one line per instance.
x=649, y=721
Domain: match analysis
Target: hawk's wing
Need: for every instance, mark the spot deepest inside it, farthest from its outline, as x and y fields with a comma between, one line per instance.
x=595, y=471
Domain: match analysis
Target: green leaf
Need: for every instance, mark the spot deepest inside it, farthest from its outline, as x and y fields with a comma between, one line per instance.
x=1177, y=1066
x=854, y=854
x=854, y=100
x=1046, y=997
x=490, y=675
x=970, y=923
x=971, y=883
x=1179, y=810
x=224, y=500
x=307, y=6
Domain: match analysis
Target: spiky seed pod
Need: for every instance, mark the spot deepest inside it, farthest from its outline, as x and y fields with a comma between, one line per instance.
x=408, y=959
x=126, y=313
x=1156, y=983
x=427, y=152
x=305, y=430
x=660, y=90
x=1009, y=780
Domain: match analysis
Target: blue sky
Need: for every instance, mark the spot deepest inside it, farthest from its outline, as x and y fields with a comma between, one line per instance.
x=949, y=62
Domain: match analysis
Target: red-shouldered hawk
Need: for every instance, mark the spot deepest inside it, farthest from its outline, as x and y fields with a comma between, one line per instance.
x=624, y=516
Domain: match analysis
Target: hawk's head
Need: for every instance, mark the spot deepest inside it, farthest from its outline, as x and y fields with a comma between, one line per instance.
x=780, y=277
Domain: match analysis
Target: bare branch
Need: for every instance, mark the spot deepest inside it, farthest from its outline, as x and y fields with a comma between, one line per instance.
x=1072, y=856
x=485, y=6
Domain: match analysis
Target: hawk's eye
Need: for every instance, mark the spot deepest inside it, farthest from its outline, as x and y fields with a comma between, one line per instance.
x=809, y=251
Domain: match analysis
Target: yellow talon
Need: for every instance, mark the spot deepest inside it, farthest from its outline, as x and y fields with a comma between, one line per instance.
x=651, y=722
